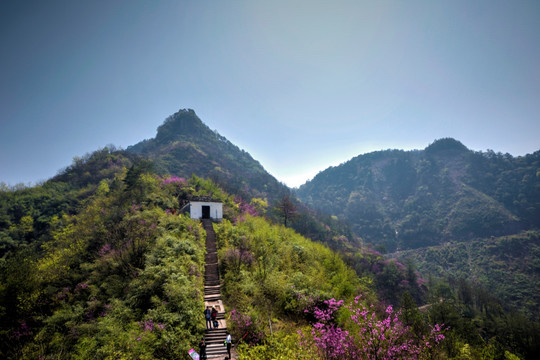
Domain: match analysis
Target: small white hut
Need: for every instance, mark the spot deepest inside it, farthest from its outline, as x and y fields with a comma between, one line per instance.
x=203, y=207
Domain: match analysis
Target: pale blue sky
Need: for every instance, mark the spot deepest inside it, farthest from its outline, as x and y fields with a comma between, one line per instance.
x=300, y=85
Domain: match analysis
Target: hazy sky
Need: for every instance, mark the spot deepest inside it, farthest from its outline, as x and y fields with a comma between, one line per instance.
x=300, y=85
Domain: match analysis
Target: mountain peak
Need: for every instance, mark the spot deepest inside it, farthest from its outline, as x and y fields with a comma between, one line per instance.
x=183, y=122
x=446, y=144
x=185, y=145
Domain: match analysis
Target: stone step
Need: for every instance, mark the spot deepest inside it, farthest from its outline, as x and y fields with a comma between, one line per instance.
x=215, y=338
x=215, y=341
x=217, y=352
x=212, y=297
x=210, y=337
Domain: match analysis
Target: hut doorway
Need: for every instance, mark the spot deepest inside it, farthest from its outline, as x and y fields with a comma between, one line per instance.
x=206, y=212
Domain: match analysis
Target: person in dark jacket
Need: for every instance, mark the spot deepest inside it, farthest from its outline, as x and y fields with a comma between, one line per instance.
x=208, y=317
x=202, y=349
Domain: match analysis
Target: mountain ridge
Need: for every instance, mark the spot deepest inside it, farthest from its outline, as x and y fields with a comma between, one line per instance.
x=445, y=183
x=184, y=145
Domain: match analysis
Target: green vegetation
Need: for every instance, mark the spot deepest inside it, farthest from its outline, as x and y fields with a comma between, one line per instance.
x=508, y=266
x=184, y=145
x=267, y=269
x=452, y=212
x=277, y=282
x=99, y=263
x=110, y=273
x=407, y=200
x=479, y=325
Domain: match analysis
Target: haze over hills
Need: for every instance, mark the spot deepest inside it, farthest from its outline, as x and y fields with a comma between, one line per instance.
x=446, y=192
x=459, y=214
x=102, y=260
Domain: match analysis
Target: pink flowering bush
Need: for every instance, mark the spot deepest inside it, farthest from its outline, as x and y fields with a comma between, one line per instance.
x=243, y=327
x=174, y=180
x=366, y=336
x=105, y=249
x=330, y=341
x=246, y=208
x=22, y=331
x=150, y=325
x=233, y=259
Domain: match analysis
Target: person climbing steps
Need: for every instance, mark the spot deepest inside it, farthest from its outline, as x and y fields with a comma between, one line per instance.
x=202, y=349
x=207, y=316
x=214, y=317
x=228, y=343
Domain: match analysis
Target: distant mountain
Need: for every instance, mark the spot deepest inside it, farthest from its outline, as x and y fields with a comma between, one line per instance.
x=446, y=192
x=184, y=145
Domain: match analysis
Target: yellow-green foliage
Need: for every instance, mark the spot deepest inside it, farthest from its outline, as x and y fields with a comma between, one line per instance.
x=509, y=356
x=261, y=205
x=119, y=280
x=72, y=235
x=271, y=275
x=284, y=345
x=271, y=269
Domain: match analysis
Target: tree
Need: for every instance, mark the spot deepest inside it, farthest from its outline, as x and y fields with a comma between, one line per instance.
x=287, y=209
x=410, y=315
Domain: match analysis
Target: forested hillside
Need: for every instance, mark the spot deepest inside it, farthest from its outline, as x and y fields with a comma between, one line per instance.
x=105, y=266
x=411, y=199
x=509, y=266
x=101, y=269
x=97, y=262
x=184, y=145
x=468, y=221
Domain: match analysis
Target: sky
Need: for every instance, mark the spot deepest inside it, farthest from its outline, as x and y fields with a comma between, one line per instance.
x=300, y=85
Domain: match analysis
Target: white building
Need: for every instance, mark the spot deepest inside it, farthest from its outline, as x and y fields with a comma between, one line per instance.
x=204, y=208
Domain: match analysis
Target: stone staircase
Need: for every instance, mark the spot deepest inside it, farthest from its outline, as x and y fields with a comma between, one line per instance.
x=214, y=338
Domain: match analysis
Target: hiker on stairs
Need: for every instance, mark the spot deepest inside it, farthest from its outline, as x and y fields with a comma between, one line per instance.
x=228, y=343
x=202, y=349
x=207, y=316
x=214, y=316
x=215, y=337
